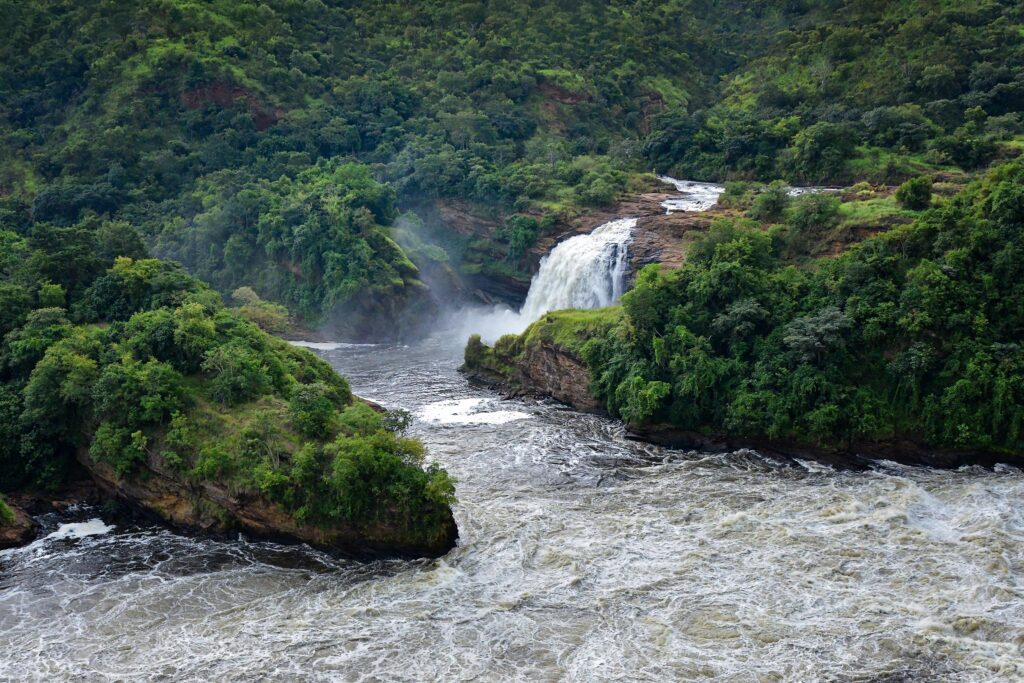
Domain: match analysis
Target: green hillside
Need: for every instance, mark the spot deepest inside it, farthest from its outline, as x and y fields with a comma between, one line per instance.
x=274, y=144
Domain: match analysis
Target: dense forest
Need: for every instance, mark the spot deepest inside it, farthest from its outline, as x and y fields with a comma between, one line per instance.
x=114, y=359
x=273, y=145
x=294, y=157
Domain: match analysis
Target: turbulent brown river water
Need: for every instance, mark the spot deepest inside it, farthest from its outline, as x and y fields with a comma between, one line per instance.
x=583, y=556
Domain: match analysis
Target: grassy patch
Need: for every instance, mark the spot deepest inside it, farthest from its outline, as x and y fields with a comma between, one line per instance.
x=571, y=329
x=888, y=166
x=6, y=513
x=871, y=211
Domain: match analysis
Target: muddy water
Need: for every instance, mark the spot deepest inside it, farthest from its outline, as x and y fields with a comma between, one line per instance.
x=583, y=556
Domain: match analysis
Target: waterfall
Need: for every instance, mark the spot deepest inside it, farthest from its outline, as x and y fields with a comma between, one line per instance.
x=585, y=271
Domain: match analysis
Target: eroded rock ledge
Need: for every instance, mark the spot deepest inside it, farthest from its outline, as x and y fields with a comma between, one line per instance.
x=546, y=370
x=19, y=532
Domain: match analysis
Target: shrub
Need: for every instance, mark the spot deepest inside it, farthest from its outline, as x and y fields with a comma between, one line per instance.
x=521, y=233
x=476, y=352
x=51, y=296
x=814, y=213
x=268, y=316
x=238, y=373
x=360, y=419
x=771, y=203
x=915, y=194
x=737, y=195
x=311, y=411
x=119, y=447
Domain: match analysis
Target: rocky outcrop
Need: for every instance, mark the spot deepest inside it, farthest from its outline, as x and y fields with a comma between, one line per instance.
x=460, y=217
x=226, y=94
x=18, y=532
x=546, y=370
x=659, y=237
x=213, y=507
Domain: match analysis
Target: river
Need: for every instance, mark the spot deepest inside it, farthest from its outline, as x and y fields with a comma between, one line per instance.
x=583, y=556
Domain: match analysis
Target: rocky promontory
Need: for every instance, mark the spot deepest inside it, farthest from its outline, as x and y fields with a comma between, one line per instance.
x=215, y=507
x=19, y=530
x=546, y=362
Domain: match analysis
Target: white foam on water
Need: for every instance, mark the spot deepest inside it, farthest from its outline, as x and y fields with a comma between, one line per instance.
x=694, y=195
x=326, y=346
x=468, y=411
x=93, y=527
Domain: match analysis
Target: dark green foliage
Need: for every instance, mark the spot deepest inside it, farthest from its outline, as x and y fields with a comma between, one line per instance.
x=821, y=150
x=521, y=233
x=857, y=89
x=810, y=220
x=475, y=351
x=268, y=145
x=150, y=371
x=237, y=373
x=770, y=204
x=915, y=194
x=365, y=472
x=311, y=410
x=239, y=138
x=912, y=334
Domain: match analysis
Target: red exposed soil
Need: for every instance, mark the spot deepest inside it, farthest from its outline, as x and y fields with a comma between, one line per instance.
x=225, y=94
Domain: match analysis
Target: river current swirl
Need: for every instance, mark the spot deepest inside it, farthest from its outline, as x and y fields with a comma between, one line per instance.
x=583, y=556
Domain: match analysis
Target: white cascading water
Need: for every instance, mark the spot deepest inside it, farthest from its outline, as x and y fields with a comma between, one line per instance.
x=585, y=271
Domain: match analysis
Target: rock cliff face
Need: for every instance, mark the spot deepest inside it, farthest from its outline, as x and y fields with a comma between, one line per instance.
x=659, y=237
x=543, y=370
x=212, y=507
x=19, y=532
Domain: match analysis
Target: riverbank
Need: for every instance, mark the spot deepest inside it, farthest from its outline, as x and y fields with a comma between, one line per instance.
x=541, y=365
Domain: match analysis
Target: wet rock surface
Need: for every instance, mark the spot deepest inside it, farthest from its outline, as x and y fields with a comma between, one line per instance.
x=19, y=532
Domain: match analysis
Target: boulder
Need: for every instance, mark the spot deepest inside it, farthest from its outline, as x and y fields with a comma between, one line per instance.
x=19, y=532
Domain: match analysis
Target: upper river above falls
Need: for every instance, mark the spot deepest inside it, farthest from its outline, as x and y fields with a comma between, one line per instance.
x=582, y=556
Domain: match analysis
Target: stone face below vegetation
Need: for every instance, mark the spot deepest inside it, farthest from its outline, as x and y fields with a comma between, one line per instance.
x=212, y=507
x=545, y=370
x=21, y=531
x=659, y=237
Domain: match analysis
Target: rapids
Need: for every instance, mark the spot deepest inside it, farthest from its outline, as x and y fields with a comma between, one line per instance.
x=583, y=556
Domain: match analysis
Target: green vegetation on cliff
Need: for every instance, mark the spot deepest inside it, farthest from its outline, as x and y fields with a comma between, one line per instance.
x=860, y=90
x=249, y=140
x=6, y=513
x=133, y=364
x=238, y=138
x=912, y=334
